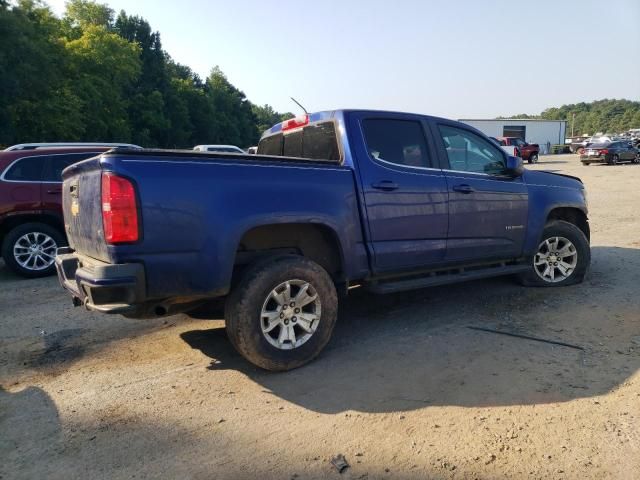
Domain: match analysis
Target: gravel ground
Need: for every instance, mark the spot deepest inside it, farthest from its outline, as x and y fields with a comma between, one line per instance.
x=404, y=390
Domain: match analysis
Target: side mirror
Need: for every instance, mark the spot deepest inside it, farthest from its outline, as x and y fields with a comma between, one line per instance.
x=514, y=166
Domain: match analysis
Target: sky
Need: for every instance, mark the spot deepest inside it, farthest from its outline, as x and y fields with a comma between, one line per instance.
x=457, y=59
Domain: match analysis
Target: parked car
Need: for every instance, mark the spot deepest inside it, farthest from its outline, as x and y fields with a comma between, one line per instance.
x=218, y=148
x=35, y=146
x=610, y=153
x=31, y=225
x=388, y=201
x=527, y=151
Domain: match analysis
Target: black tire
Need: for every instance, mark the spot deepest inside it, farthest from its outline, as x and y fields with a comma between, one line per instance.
x=560, y=228
x=533, y=158
x=244, y=306
x=613, y=160
x=16, y=233
x=636, y=159
x=586, y=163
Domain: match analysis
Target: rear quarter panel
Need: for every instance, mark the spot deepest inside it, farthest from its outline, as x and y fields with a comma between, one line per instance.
x=195, y=212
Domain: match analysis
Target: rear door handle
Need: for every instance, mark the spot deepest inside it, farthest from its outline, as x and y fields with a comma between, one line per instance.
x=386, y=185
x=463, y=188
x=54, y=191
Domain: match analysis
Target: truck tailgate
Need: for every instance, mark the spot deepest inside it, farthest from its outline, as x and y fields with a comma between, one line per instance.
x=82, y=209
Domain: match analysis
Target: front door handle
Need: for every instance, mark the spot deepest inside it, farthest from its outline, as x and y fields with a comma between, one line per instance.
x=386, y=185
x=463, y=188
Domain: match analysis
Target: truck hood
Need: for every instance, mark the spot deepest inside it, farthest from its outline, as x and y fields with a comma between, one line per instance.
x=552, y=179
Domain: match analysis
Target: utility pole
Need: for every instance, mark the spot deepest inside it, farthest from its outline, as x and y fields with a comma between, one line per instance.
x=573, y=122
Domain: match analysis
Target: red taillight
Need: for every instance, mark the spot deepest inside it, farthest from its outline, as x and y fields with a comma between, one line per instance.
x=119, y=209
x=300, y=121
x=604, y=151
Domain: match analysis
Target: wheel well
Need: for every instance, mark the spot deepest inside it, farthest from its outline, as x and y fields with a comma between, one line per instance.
x=11, y=222
x=316, y=242
x=574, y=216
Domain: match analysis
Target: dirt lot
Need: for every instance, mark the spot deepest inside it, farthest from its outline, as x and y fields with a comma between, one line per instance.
x=404, y=390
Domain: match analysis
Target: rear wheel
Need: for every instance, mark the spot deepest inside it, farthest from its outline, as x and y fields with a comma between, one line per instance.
x=562, y=258
x=282, y=313
x=614, y=159
x=30, y=249
x=580, y=150
x=636, y=159
x=533, y=158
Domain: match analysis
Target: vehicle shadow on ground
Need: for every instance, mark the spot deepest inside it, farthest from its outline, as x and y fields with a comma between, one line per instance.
x=414, y=349
x=40, y=331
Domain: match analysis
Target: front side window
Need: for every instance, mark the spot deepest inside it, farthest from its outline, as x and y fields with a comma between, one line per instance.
x=28, y=169
x=468, y=152
x=396, y=141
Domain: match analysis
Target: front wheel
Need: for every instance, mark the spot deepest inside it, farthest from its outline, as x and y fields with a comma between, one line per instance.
x=636, y=159
x=282, y=313
x=562, y=258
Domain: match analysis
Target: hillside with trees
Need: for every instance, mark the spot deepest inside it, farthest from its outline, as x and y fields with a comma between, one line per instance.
x=607, y=116
x=93, y=75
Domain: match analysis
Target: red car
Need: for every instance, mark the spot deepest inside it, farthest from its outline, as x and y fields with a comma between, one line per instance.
x=528, y=151
x=31, y=224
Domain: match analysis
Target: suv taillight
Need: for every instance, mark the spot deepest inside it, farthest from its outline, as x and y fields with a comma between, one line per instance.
x=119, y=209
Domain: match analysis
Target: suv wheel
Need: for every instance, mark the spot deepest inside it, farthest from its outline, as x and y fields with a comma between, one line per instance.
x=282, y=313
x=562, y=258
x=30, y=249
x=636, y=159
x=533, y=158
x=614, y=159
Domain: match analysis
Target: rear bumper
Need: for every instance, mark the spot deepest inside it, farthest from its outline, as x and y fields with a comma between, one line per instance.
x=593, y=158
x=100, y=286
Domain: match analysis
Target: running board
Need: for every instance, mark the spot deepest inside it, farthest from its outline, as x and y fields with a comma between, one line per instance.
x=444, y=278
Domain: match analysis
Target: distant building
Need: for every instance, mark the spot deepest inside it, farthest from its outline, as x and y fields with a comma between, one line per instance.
x=543, y=132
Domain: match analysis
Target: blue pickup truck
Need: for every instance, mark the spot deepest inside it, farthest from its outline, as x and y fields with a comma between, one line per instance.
x=382, y=200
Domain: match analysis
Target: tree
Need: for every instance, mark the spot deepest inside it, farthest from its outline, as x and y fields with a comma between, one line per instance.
x=607, y=116
x=103, y=67
x=267, y=117
x=91, y=76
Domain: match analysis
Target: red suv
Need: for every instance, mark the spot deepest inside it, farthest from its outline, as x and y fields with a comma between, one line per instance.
x=31, y=224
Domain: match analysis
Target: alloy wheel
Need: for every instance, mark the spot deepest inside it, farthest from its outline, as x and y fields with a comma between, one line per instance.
x=556, y=259
x=290, y=314
x=35, y=251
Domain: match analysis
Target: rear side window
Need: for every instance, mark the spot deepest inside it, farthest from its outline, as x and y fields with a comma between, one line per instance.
x=396, y=141
x=28, y=169
x=315, y=142
x=57, y=163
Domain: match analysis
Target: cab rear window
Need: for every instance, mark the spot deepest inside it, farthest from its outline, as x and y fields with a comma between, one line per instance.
x=315, y=142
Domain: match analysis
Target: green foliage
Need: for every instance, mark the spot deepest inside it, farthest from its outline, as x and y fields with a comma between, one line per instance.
x=606, y=116
x=92, y=76
x=267, y=116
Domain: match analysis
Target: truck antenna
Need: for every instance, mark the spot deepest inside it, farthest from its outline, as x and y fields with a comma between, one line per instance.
x=300, y=105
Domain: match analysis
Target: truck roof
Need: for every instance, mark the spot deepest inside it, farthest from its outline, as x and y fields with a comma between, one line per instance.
x=331, y=114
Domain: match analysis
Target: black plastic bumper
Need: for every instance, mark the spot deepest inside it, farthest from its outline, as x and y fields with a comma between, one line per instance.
x=100, y=286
